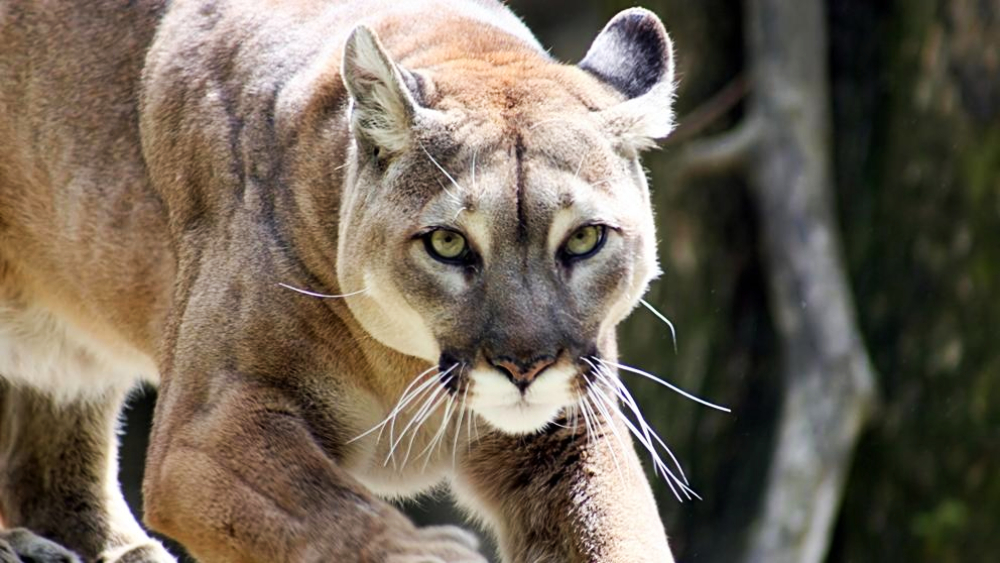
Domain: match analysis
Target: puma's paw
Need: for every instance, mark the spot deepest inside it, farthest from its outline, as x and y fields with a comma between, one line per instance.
x=149, y=552
x=22, y=546
x=438, y=544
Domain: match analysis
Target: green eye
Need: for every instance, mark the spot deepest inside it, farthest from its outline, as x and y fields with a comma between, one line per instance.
x=584, y=241
x=447, y=246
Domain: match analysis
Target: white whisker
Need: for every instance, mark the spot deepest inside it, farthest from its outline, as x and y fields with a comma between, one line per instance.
x=474, y=153
x=622, y=391
x=662, y=317
x=428, y=396
x=617, y=386
x=668, y=475
x=586, y=419
x=436, y=439
x=579, y=165
x=648, y=431
x=671, y=479
x=445, y=172
x=670, y=386
x=399, y=406
x=409, y=397
x=475, y=425
x=595, y=423
x=646, y=437
x=394, y=443
x=461, y=417
x=438, y=396
x=450, y=193
x=626, y=397
x=603, y=403
x=321, y=295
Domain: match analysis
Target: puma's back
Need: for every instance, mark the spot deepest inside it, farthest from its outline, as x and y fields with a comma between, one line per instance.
x=85, y=267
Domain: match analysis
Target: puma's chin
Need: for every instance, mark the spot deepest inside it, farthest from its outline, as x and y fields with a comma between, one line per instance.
x=506, y=408
x=520, y=418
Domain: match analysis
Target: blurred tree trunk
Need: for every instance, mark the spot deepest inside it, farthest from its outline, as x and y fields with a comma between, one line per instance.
x=784, y=144
x=829, y=385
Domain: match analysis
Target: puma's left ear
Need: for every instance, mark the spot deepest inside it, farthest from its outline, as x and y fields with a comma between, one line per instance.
x=383, y=109
x=634, y=54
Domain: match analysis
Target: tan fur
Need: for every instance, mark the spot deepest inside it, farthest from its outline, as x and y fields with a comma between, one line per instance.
x=163, y=170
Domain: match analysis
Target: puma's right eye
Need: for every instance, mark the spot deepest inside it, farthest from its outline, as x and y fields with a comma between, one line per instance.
x=447, y=246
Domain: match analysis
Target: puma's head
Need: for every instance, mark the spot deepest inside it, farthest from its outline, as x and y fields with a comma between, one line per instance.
x=496, y=213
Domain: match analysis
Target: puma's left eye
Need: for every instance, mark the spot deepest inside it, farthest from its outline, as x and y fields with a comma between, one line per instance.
x=585, y=241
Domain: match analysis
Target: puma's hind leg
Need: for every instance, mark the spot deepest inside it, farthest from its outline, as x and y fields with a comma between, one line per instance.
x=58, y=481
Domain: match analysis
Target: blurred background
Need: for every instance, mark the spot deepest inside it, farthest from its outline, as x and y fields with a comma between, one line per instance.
x=829, y=227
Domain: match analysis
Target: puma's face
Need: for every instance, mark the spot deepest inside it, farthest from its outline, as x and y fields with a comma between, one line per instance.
x=513, y=276
x=500, y=228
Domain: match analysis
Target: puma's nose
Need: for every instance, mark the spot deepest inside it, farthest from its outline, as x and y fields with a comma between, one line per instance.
x=521, y=374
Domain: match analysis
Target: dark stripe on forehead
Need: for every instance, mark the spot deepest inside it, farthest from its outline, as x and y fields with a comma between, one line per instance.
x=522, y=219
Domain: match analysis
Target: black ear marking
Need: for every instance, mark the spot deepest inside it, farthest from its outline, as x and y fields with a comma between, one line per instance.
x=632, y=53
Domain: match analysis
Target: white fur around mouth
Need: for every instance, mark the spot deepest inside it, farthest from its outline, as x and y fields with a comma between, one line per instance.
x=501, y=404
x=523, y=418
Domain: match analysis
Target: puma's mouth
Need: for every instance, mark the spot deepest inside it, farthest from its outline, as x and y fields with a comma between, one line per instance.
x=511, y=409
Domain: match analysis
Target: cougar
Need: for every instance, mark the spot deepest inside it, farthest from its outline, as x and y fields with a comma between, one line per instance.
x=363, y=248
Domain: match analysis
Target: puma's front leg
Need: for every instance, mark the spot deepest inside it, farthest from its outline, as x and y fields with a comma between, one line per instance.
x=242, y=476
x=58, y=479
x=559, y=496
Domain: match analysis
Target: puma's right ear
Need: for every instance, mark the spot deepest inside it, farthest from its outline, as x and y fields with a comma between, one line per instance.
x=634, y=54
x=383, y=108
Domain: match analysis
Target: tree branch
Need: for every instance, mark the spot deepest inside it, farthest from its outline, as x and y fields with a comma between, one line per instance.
x=719, y=154
x=692, y=124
